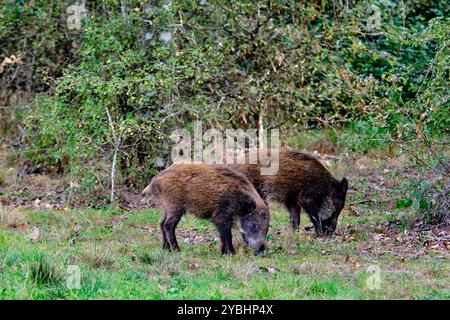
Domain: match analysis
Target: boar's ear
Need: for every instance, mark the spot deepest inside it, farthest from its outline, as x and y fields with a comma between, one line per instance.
x=343, y=186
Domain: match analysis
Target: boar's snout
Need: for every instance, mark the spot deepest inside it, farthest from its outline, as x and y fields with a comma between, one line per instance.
x=260, y=249
x=329, y=226
x=257, y=242
x=328, y=232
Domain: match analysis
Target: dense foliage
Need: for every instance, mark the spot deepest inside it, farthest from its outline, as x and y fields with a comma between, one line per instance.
x=139, y=69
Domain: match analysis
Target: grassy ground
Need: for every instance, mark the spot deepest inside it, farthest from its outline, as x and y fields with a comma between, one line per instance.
x=119, y=257
x=374, y=255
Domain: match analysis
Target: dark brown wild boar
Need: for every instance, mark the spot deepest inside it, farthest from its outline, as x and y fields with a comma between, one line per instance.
x=300, y=182
x=217, y=193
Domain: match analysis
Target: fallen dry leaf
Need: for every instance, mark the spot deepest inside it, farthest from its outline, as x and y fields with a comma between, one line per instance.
x=193, y=266
x=269, y=269
x=21, y=227
x=347, y=238
x=355, y=263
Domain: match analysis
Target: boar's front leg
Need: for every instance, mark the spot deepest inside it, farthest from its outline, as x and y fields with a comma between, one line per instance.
x=317, y=224
x=169, y=226
x=312, y=209
x=226, y=240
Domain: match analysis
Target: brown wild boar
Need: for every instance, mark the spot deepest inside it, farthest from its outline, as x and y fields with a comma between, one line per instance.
x=217, y=193
x=301, y=182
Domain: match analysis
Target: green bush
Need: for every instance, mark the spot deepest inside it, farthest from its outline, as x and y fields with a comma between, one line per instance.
x=157, y=66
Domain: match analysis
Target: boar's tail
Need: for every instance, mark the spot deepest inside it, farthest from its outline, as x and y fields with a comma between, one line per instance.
x=152, y=192
x=152, y=188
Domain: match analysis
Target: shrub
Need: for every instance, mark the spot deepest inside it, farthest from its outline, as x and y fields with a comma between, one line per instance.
x=118, y=88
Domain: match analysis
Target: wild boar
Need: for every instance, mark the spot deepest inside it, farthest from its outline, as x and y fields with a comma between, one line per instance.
x=217, y=193
x=301, y=182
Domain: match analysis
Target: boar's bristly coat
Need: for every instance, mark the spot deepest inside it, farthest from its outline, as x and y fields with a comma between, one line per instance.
x=216, y=193
x=300, y=182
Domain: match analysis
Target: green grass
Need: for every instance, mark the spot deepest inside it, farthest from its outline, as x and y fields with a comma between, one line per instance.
x=120, y=257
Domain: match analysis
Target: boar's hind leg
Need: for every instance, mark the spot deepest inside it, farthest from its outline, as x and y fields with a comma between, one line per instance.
x=169, y=226
x=226, y=242
x=294, y=215
x=166, y=244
